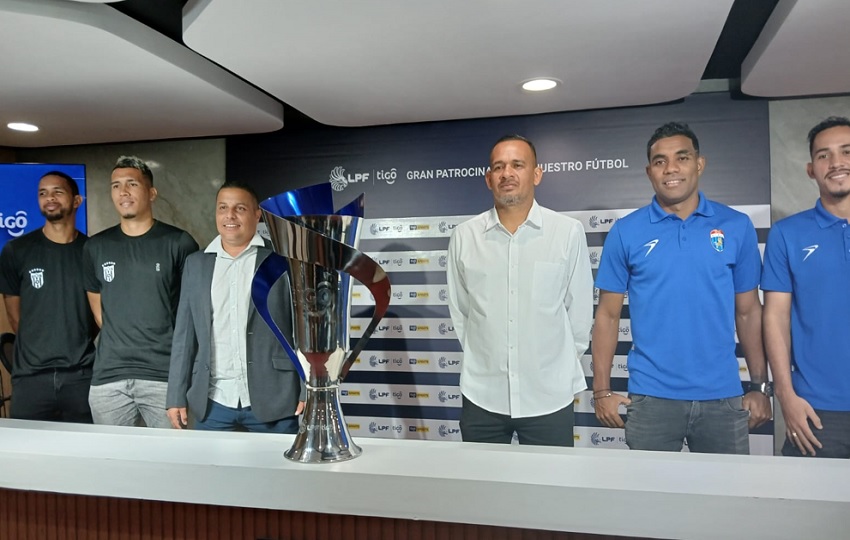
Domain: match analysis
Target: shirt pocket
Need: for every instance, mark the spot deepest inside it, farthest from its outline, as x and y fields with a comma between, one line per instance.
x=548, y=285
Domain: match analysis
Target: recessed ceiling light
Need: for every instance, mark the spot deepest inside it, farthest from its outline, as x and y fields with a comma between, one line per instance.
x=21, y=126
x=539, y=85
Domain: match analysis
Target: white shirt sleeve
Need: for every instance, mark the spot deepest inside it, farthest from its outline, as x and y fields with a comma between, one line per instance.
x=579, y=297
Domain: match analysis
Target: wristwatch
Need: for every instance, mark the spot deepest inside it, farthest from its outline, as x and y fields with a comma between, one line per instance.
x=765, y=388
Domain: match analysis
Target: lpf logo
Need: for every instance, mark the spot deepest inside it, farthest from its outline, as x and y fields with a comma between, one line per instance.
x=14, y=225
x=443, y=295
x=339, y=180
x=108, y=271
x=596, y=439
x=596, y=221
x=443, y=261
x=374, y=361
x=445, y=226
x=376, y=228
x=444, y=362
x=375, y=394
x=445, y=329
x=446, y=431
x=594, y=257
x=375, y=427
x=444, y=396
x=37, y=277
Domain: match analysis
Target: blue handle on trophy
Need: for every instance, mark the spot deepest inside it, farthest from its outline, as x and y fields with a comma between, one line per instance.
x=267, y=274
x=357, y=264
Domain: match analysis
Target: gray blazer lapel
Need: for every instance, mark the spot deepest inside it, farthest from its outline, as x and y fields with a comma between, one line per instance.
x=207, y=269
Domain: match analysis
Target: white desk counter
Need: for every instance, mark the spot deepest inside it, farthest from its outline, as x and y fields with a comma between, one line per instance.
x=608, y=492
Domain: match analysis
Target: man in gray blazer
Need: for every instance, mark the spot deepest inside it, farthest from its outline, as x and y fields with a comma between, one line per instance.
x=226, y=365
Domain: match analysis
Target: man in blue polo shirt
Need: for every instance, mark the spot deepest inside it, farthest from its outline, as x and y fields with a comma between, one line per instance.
x=807, y=304
x=691, y=267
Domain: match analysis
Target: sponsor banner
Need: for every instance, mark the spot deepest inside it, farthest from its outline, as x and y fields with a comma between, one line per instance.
x=597, y=221
x=411, y=261
x=599, y=437
x=400, y=394
x=595, y=253
x=383, y=428
x=396, y=328
x=404, y=428
x=404, y=295
x=596, y=297
x=585, y=403
x=419, y=361
x=603, y=437
x=421, y=227
x=594, y=221
x=619, y=367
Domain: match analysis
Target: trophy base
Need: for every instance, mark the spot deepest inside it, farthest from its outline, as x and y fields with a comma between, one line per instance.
x=323, y=436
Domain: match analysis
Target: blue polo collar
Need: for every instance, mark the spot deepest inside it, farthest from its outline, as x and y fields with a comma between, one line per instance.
x=656, y=213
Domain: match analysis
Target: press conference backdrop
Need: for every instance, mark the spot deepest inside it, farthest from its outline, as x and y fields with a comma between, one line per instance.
x=422, y=180
x=19, y=212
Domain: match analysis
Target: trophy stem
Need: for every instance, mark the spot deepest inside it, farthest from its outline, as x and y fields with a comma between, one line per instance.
x=323, y=436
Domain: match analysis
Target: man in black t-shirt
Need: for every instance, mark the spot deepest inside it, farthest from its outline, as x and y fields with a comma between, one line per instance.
x=133, y=283
x=41, y=282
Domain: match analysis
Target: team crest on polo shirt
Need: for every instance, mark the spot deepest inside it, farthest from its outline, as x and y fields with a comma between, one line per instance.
x=37, y=277
x=717, y=239
x=108, y=271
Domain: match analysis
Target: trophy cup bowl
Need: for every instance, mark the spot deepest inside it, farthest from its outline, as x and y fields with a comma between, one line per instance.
x=315, y=248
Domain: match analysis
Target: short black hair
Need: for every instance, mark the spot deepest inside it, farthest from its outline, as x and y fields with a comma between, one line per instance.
x=237, y=184
x=132, y=162
x=672, y=129
x=823, y=125
x=72, y=184
x=507, y=138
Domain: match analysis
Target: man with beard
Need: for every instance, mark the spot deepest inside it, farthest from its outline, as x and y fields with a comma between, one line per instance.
x=133, y=284
x=521, y=300
x=807, y=304
x=42, y=285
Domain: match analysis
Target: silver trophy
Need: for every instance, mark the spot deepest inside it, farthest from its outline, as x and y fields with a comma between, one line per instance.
x=315, y=247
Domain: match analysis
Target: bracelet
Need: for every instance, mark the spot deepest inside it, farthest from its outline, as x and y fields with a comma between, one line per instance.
x=608, y=394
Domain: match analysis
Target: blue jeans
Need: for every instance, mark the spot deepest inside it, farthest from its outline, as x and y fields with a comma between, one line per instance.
x=715, y=427
x=835, y=436
x=221, y=418
x=128, y=402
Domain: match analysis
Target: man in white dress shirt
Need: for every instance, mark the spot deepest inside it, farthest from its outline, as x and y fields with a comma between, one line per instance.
x=521, y=300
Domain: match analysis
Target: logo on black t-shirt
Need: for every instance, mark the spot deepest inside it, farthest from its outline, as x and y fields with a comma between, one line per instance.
x=37, y=277
x=108, y=271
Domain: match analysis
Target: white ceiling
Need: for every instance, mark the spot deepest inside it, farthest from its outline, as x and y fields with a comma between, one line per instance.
x=804, y=49
x=86, y=73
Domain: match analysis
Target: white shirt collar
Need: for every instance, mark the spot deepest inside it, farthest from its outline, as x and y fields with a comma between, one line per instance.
x=535, y=217
x=218, y=249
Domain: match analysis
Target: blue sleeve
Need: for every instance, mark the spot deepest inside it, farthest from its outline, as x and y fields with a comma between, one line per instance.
x=777, y=273
x=613, y=274
x=747, y=272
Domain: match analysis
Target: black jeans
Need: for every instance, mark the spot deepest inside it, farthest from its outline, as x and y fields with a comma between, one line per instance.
x=481, y=425
x=60, y=395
